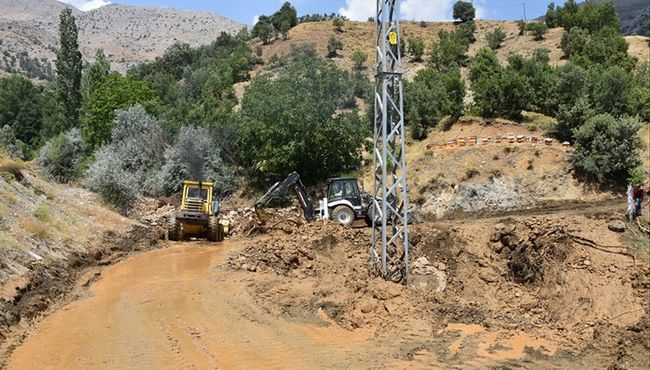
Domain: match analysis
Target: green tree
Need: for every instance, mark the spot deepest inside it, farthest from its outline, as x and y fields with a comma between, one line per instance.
x=289, y=122
x=416, y=48
x=333, y=46
x=571, y=116
x=359, y=58
x=639, y=98
x=96, y=74
x=264, y=29
x=609, y=90
x=286, y=17
x=607, y=148
x=464, y=11
x=68, y=69
x=431, y=96
x=541, y=55
x=495, y=38
x=115, y=93
x=574, y=41
x=20, y=109
x=449, y=52
x=551, y=16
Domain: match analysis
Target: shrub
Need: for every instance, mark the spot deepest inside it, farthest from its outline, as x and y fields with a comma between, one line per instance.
x=607, y=148
x=495, y=38
x=359, y=58
x=470, y=173
x=574, y=41
x=338, y=24
x=416, y=48
x=333, y=46
x=195, y=156
x=467, y=31
x=14, y=147
x=123, y=169
x=61, y=157
x=636, y=176
x=539, y=29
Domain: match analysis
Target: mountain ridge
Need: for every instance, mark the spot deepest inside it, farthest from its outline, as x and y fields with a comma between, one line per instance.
x=128, y=34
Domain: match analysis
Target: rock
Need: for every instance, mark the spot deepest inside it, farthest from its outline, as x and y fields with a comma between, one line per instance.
x=586, y=263
x=441, y=266
x=612, y=268
x=617, y=226
x=488, y=277
x=422, y=267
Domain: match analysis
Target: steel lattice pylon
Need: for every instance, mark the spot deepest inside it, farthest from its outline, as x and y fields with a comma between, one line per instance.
x=390, y=243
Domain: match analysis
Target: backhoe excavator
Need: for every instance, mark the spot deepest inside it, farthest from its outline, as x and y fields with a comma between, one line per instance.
x=345, y=202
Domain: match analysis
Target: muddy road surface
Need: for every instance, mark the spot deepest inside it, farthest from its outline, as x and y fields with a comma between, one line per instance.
x=170, y=309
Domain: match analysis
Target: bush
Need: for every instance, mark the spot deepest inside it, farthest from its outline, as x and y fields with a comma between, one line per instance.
x=61, y=158
x=607, y=148
x=333, y=46
x=194, y=156
x=123, y=169
x=495, y=38
x=467, y=31
x=14, y=147
x=416, y=48
x=359, y=58
x=338, y=24
x=539, y=29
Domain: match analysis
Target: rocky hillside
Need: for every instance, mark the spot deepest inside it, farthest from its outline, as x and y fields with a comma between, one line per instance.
x=128, y=34
x=359, y=36
x=634, y=16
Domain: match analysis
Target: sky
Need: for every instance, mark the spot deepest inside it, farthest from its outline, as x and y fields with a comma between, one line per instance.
x=246, y=11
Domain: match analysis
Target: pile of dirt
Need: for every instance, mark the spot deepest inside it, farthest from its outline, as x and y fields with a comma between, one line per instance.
x=246, y=222
x=532, y=248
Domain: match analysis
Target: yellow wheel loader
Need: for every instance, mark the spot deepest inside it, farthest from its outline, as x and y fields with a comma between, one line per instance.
x=198, y=215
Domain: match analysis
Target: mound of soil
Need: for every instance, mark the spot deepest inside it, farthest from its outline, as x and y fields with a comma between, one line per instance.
x=532, y=249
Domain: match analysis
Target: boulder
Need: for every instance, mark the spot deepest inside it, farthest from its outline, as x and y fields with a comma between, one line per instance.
x=617, y=226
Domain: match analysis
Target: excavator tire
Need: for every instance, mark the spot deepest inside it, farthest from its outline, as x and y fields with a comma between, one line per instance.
x=213, y=230
x=220, y=233
x=343, y=215
x=174, y=230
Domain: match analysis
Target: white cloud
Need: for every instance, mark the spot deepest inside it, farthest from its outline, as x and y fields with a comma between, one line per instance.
x=86, y=5
x=358, y=10
x=426, y=10
x=256, y=19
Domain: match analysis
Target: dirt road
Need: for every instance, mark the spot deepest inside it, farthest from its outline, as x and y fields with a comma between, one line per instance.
x=170, y=309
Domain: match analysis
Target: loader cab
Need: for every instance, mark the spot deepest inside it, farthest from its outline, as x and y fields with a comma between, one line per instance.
x=197, y=197
x=344, y=189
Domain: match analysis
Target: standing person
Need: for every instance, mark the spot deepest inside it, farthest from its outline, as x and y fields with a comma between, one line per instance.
x=637, y=194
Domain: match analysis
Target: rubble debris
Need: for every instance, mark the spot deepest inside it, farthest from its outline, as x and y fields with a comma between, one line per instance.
x=617, y=226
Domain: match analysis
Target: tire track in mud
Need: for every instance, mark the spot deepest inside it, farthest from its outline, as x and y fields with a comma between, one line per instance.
x=168, y=309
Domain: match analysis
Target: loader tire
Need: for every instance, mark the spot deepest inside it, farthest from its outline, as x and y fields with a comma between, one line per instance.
x=174, y=230
x=215, y=230
x=343, y=215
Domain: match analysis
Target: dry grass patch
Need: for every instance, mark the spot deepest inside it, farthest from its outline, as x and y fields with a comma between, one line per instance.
x=35, y=227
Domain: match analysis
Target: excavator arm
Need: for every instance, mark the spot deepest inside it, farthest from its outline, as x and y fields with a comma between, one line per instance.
x=292, y=182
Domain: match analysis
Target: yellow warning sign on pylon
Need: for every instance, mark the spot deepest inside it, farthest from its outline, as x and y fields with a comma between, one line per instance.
x=392, y=38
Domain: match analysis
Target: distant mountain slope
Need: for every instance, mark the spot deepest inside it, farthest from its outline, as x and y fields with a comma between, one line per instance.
x=128, y=34
x=634, y=16
x=23, y=10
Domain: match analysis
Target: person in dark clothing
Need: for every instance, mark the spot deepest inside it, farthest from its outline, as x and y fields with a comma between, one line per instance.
x=637, y=195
